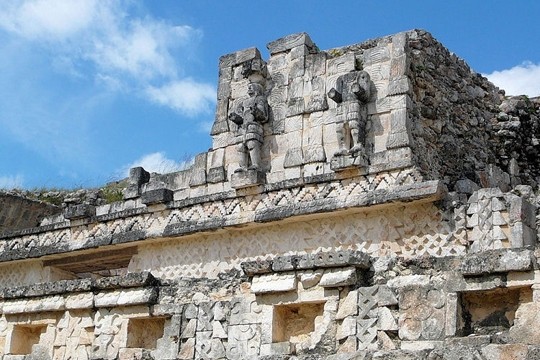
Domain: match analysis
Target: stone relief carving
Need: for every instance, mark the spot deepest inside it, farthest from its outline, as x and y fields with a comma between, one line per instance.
x=250, y=115
x=351, y=94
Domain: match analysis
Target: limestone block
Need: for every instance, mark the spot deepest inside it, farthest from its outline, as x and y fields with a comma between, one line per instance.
x=341, y=64
x=399, y=44
x=157, y=196
x=310, y=278
x=504, y=352
x=218, y=331
x=244, y=341
x=452, y=313
x=278, y=94
x=275, y=177
x=422, y=313
x=246, y=178
x=74, y=212
x=51, y=303
x=296, y=88
x=316, y=169
x=80, y=301
x=367, y=334
x=386, y=320
x=420, y=345
x=277, y=62
x=346, y=350
x=299, y=51
x=296, y=70
x=278, y=114
x=338, y=277
x=312, y=136
x=316, y=103
x=257, y=267
x=522, y=235
x=295, y=106
x=524, y=329
x=347, y=161
x=408, y=281
x=187, y=349
x=341, y=258
x=14, y=307
x=497, y=261
x=348, y=306
x=389, y=103
x=376, y=54
x=316, y=64
x=346, y=328
x=293, y=157
x=189, y=329
x=273, y=283
x=399, y=67
x=246, y=55
x=467, y=186
x=293, y=173
x=125, y=297
x=279, y=348
x=203, y=345
x=380, y=75
x=290, y=41
x=221, y=310
x=386, y=296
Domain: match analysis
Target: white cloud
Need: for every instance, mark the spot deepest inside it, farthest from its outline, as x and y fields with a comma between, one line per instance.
x=523, y=79
x=155, y=162
x=185, y=95
x=126, y=53
x=47, y=19
x=11, y=181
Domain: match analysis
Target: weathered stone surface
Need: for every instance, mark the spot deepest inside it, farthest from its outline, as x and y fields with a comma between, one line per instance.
x=498, y=261
x=251, y=268
x=74, y=212
x=158, y=196
x=289, y=42
x=243, y=179
x=352, y=255
x=338, y=277
x=273, y=283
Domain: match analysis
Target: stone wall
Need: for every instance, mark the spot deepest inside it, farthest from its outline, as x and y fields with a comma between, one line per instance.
x=17, y=212
x=374, y=201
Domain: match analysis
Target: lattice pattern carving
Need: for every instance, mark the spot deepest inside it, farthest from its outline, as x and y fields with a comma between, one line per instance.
x=410, y=230
x=19, y=274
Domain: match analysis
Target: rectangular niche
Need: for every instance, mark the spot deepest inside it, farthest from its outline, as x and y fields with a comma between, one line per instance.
x=491, y=311
x=90, y=264
x=24, y=337
x=295, y=322
x=143, y=333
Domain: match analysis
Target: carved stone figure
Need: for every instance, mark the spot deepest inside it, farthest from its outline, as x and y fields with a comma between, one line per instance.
x=351, y=94
x=250, y=116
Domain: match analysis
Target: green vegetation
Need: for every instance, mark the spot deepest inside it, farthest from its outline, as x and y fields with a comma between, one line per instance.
x=113, y=191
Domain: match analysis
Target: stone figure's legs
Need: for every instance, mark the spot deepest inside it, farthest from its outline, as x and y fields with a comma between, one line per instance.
x=357, y=125
x=254, y=148
x=340, y=130
x=356, y=141
x=241, y=148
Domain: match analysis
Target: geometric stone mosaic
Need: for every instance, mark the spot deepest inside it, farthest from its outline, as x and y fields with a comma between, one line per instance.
x=409, y=230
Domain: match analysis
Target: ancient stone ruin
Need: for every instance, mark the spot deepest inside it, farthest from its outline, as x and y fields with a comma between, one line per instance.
x=375, y=201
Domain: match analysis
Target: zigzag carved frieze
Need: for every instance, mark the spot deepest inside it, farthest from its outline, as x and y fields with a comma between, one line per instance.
x=177, y=220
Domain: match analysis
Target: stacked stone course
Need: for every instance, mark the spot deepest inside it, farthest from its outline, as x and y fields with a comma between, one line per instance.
x=375, y=201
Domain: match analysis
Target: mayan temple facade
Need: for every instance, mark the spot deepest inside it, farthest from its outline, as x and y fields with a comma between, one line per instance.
x=374, y=201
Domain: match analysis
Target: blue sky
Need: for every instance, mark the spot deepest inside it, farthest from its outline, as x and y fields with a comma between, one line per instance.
x=90, y=88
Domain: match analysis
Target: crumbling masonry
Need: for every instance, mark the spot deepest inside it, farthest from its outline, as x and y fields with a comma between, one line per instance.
x=375, y=201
